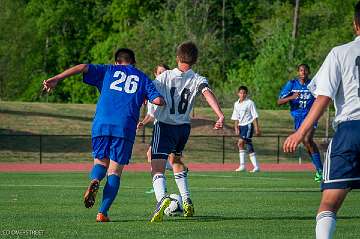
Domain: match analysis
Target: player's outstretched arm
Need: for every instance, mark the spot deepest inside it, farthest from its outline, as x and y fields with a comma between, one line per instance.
x=214, y=104
x=158, y=101
x=148, y=118
x=315, y=113
x=287, y=99
x=50, y=83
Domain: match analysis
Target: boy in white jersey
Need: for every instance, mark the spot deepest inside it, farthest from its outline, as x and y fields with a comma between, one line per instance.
x=172, y=129
x=149, y=117
x=246, y=119
x=337, y=79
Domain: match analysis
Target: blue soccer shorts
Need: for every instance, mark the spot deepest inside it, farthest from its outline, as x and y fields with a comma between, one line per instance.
x=246, y=132
x=342, y=163
x=113, y=148
x=167, y=139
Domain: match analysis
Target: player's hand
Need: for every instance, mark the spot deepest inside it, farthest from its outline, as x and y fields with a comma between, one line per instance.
x=237, y=132
x=219, y=124
x=292, y=142
x=295, y=95
x=49, y=84
x=140, y=125
x=257, y=132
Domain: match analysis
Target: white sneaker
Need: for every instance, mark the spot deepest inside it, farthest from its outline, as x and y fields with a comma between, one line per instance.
x=240, y=169
x=255, y=170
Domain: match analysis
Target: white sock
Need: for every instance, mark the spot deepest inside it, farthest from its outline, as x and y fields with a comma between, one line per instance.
x=182, y=183
x=325, y=225
x=159, y=185
x=252, y=157
x=242, y=158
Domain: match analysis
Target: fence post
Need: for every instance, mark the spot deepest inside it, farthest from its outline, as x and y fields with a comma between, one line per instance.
x=223, y=149
x=40, y=148
x=278, y=150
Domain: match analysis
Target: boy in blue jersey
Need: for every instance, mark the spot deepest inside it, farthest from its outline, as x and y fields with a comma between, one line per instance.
x=123, y=88
x=300, y=99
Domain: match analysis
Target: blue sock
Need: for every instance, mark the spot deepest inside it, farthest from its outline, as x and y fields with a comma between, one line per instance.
x=110, y=191
x=315, y=157
x=98, y=172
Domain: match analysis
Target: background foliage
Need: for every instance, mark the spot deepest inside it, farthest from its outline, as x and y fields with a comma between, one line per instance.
x=250, y=44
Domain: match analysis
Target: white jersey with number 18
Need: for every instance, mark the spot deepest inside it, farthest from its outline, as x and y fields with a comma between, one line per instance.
x=179, y=90
x=339, y=79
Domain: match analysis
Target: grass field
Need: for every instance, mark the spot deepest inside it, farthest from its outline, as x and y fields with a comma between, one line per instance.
x=227, y=205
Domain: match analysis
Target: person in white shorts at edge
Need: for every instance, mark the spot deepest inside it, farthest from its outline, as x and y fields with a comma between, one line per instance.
x=338, y=80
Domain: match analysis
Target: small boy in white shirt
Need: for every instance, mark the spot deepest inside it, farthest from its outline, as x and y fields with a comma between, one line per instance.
x=246, y=120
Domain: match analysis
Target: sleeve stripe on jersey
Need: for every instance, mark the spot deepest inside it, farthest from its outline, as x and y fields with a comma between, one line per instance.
x=203, y=86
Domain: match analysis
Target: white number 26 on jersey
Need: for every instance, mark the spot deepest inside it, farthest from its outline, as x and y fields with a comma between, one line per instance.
x=131, y=82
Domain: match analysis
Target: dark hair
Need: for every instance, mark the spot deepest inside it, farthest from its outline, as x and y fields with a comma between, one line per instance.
x=357, y=13
x=125, y=55
x=187, y=52
x=244, y=88
x=303, y=65
x=161, y=65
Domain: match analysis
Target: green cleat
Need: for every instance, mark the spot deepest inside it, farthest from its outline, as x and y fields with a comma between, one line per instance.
x=318, y=177
x=189, y=209
x=158, y=214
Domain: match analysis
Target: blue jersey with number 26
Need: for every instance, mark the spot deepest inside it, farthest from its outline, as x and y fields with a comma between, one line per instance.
x=123, y=89
x=300, y=106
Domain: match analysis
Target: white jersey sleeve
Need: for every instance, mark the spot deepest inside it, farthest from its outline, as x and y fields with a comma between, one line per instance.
x=151, y=109
x=179, y=90
x=327, y=79
x=253, y=112
x=338, y=78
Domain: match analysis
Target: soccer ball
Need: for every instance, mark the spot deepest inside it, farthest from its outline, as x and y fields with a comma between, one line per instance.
x=175, y=208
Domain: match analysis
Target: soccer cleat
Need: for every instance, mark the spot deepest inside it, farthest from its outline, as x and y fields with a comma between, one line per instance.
x=90, y=193
x=240, y=169
x=102, y=218
x=318, y=176
x=255, y=170
x=188, y=207
x=158, y=214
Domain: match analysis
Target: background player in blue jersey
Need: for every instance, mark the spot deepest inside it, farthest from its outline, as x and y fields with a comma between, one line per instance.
x=338, y=79
x=300, y=99
x=123, y=89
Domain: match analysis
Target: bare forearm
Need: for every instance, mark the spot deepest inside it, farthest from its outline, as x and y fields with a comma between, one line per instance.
x=72, y=71
x=316, y=111
x=213, y=102
x=256, y=123
x=158, y=101
x=283, y=100
x=148, y=118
